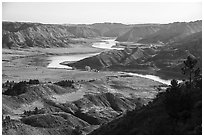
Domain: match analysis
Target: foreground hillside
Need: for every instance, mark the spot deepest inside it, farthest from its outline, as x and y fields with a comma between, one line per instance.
x=178, y=111
x=69, y=107
x=154, y=120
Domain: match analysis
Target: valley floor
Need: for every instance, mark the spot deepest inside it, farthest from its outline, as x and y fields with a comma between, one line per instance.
x=24, y=64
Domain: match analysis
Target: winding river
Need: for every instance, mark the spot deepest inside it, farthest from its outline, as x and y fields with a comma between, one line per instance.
x=56, y=60
x=105, y=44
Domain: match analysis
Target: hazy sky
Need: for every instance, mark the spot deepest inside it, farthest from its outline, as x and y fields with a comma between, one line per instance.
x=89, y=12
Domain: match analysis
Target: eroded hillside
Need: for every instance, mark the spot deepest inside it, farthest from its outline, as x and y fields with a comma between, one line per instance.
x=48, y=108
x=24, y=35
x=161, y=34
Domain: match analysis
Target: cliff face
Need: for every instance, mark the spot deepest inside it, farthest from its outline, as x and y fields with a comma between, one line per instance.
x=42, y=35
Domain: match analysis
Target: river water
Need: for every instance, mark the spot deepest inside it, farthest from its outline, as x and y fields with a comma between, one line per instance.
x=152, y=77
x=106, y=44
x=56, y=60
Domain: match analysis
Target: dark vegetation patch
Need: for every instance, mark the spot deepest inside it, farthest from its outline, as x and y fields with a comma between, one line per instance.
x=126, y=76
x=34, y=112
x=45, y=121
x=15, y=89
x=86, y=117
x=65, y=83
x=12, y=88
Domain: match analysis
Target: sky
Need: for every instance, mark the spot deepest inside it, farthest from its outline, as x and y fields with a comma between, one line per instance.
x=90, y=12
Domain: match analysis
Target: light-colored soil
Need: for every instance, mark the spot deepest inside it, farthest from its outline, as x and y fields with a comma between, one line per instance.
x=25, y=64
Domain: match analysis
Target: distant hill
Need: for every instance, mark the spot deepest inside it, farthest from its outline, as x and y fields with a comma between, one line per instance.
x=137, y=33
x=111, y=29
x=19, y=34
x=163, y=33
x=192, y=43
x=83, y=31
x=173, y=32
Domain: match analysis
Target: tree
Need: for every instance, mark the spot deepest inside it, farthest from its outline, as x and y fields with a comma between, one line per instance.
x=177, y=99
x=189, y=67
x=36, y=110
x=87, y=68
x=77, y=130
x=174, y=83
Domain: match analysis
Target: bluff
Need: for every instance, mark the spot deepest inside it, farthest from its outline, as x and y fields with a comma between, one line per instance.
x=163, y=33
x=111, y=29
x=173, y=32
x=20, y=34
x=137, y=33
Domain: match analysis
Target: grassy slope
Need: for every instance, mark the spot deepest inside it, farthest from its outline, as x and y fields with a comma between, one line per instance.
x=154, y=120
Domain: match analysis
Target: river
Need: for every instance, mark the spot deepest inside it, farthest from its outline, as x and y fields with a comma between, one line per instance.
x=106, y=44
x=56, y=60
x=152, y=77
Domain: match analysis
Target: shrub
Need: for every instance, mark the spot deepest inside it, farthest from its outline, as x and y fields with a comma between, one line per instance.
x=77, y=131
x=35, y=81
x=15, y=89
x=34, y=112
x=65, y=83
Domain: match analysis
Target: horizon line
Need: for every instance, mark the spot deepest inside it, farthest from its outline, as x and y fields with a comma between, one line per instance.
x=98, y=22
